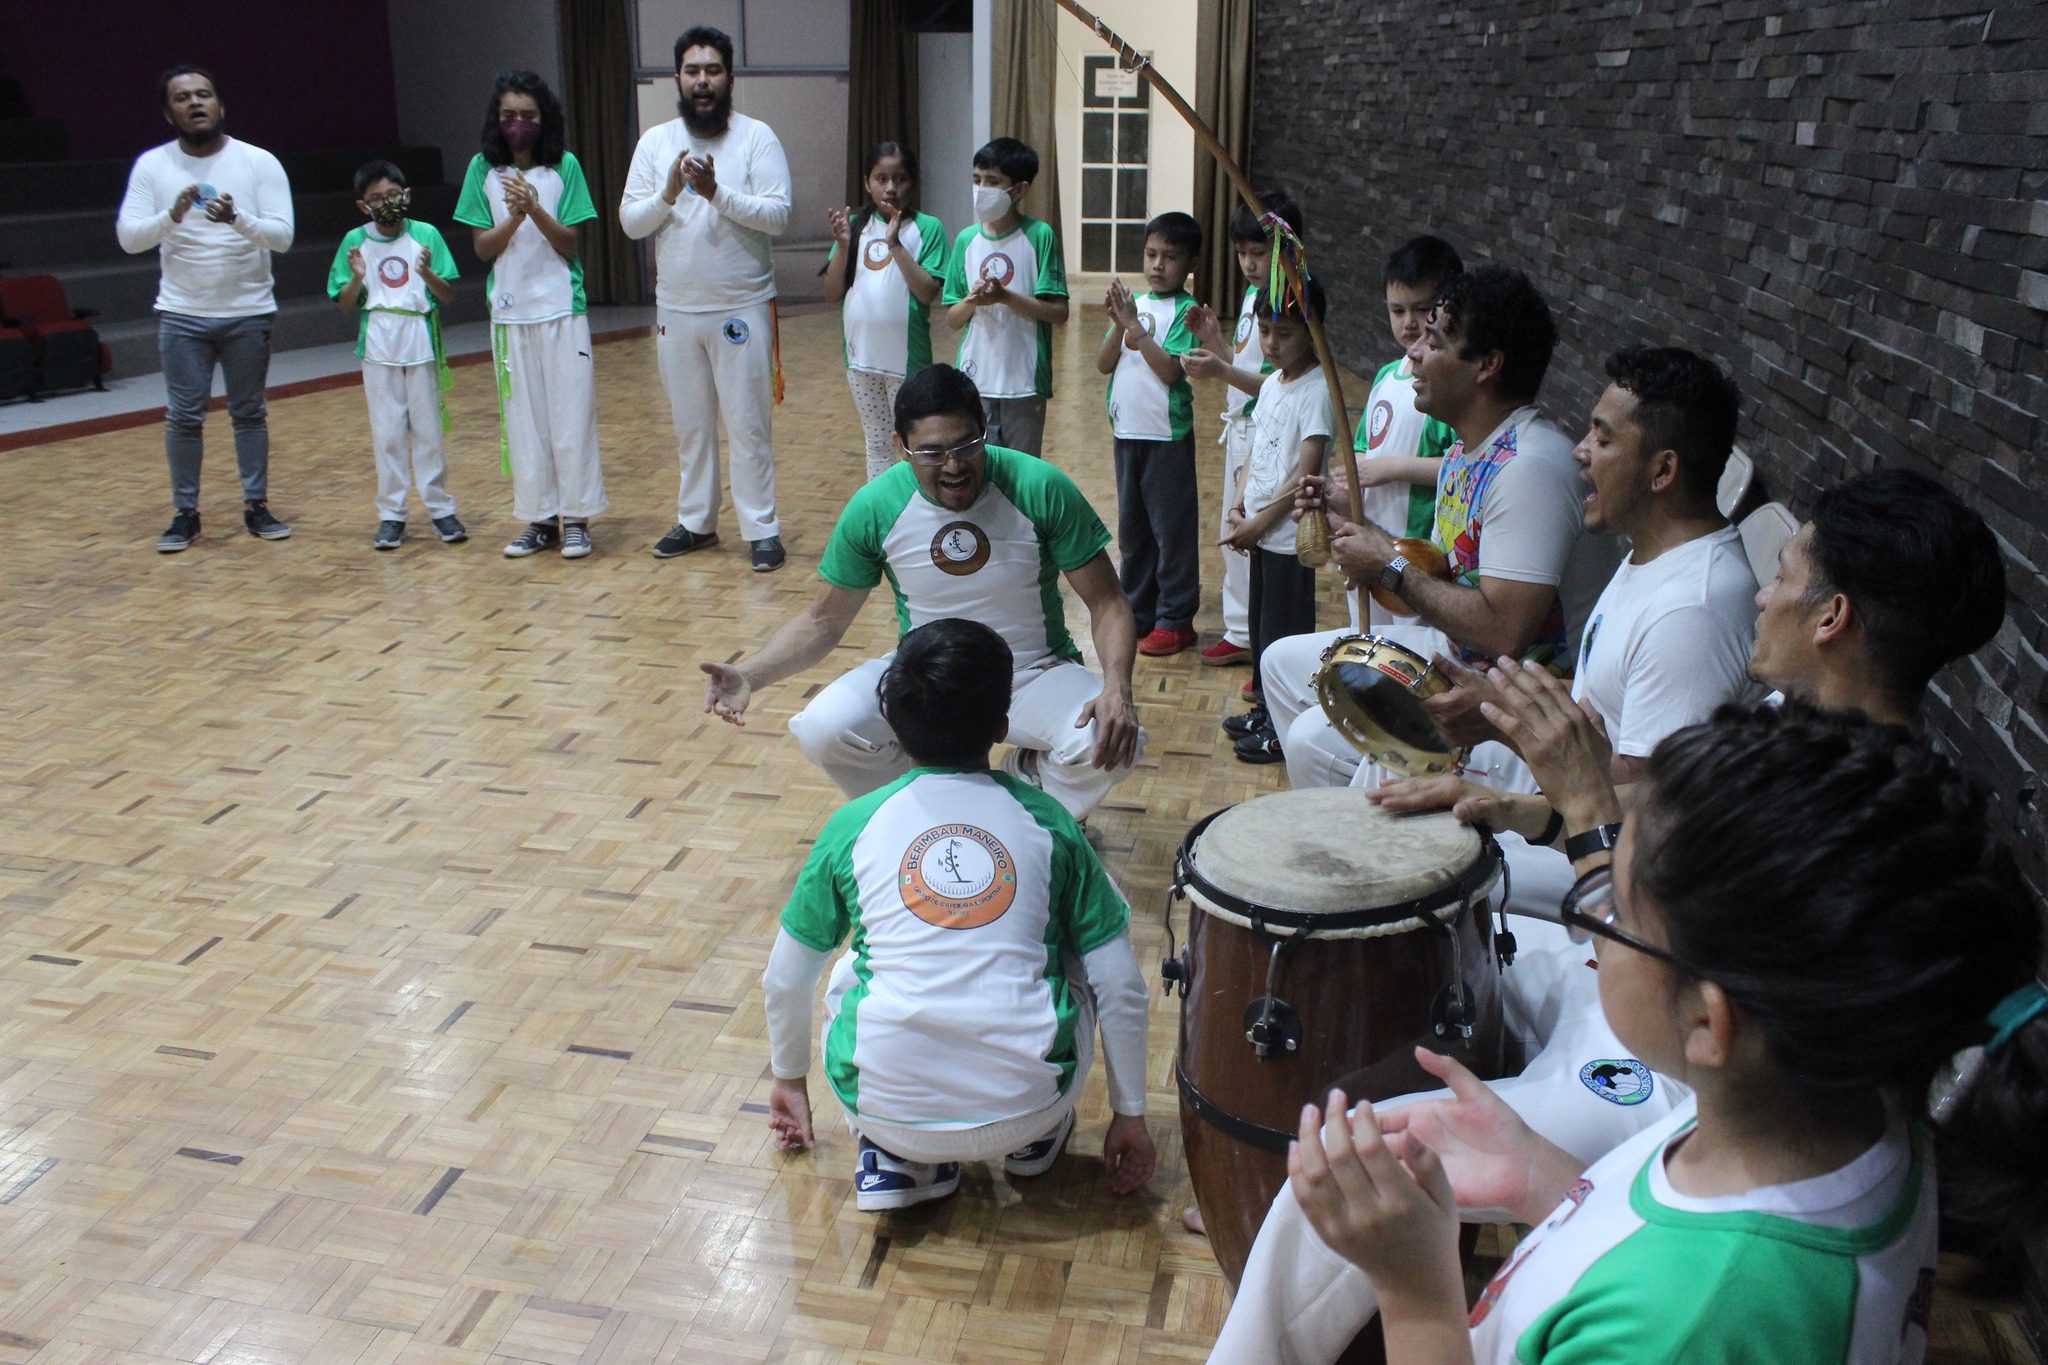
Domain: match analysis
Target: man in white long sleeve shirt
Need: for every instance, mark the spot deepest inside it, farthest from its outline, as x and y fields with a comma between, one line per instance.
x=712, y=188
x=214, y=208
x=987, y=944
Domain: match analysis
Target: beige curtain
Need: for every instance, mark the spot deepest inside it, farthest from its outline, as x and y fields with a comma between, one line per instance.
x=597, y=62
x=881, y=88
x=1026, y=60
x=1223, y=98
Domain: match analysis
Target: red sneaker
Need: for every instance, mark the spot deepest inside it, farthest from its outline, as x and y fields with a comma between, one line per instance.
x=1248, y=692
x=1222, y=654
x=1162, y=642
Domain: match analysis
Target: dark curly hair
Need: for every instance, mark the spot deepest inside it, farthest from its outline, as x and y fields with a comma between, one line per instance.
x=553, y=126
x=1684, y=402
x=1838, y=879
x=1497, y=308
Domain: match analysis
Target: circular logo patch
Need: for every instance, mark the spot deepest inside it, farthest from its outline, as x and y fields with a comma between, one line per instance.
x=1145, y=325
x=735, y=331
x=998, y=267
x=1619, y=1080
x=957, y=877
x=875, y=255
x=394, y=271
x=1245, y=323
x=960, y=548
x=1376, y=427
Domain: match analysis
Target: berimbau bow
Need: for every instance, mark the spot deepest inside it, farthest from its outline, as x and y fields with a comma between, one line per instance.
x=1312, y=543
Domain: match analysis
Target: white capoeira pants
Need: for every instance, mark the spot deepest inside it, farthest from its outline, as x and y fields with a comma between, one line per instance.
x=843, y=732
x=547, y=398
x=1317, y=755
x=1301, y=1302
x=1237, y=568
x=874, y=397
x=405, y=430
x=722, y=366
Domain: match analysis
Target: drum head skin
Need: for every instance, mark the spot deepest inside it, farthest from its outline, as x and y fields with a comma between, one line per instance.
x=1328, y=849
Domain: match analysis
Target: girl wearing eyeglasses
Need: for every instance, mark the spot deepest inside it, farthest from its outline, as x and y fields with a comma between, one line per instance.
x=1806, y=922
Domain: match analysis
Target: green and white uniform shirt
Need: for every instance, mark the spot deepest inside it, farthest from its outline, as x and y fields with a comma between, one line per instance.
x=1248, y=353
x=1006, y=354
x=965, y=894
x=1392, y=425
x=883, y=327
x=398, y=322
x=999, y=562
x=529, y=281
x=1140, y=407
x=1837, y=1268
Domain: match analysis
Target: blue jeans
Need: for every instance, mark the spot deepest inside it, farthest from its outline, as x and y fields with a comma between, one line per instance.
x=190, y=348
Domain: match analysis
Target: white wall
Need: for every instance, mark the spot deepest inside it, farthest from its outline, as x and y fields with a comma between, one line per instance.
x=444, y=56
x=1167, y=29
x=945, y=121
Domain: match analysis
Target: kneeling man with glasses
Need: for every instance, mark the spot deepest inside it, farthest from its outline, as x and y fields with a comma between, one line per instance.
x=962, y=528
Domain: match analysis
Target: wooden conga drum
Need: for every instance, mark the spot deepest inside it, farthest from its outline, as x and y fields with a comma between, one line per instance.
x=1326, y=939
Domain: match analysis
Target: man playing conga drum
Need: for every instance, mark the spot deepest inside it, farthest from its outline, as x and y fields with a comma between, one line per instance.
x=963, y=528
x=987, y=942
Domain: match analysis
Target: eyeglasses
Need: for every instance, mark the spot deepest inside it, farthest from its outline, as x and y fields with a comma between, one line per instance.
x=1590, y=909
x=966, y=450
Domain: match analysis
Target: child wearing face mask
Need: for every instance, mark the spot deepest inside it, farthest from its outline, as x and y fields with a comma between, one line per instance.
x=524, y=194
x=393, y=274
x=884, y=269
x=1019, y=292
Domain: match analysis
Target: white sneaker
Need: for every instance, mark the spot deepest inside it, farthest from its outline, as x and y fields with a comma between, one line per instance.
x=883, y=1182
x=1038, y=1157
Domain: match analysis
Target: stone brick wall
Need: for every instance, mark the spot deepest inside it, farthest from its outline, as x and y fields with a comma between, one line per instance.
x=1848, y=206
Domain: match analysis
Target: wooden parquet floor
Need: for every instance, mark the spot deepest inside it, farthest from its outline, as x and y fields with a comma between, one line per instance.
x=380, y=933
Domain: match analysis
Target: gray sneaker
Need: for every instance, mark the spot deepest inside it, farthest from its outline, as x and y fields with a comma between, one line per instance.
x=449, y=529
x=768, y=554
x=390, y=534
x=538, y=536
x=576, y=540
x=179, y=535
x=257, y=517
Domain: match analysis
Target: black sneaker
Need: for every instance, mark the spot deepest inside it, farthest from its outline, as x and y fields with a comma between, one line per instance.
x=450, y=530
x=538, y=536
x=389, y=535
x=681, y=541
x=1238, y=726
x=179, y=535
x=1260, y=746
x=576, y=540
x=768, y=554
x=256, y=516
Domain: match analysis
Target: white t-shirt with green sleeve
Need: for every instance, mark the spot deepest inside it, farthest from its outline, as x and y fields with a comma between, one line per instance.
x=397, y=318
x=1392, y=425
x=884, y=327
x=999, y=562
x=966, y=893
x=1006, y=354
x=1249, y=353
x=1836, y=1268
x=529, y=281
x=1141, y=408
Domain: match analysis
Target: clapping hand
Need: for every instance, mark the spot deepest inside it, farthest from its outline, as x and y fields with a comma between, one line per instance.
x=702, y=174
x=356, y=268
x=1382, y=1202
x=1208, y=331
x=1121, y=305
x=1564, y=742
x=1456, y=713
x=841, y=222
x=221, y=208
x=182, y=205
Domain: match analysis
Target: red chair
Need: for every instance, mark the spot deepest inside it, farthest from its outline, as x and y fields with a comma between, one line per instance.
x=68, y=351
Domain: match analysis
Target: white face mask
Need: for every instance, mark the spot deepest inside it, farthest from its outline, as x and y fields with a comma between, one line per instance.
x=990, y=204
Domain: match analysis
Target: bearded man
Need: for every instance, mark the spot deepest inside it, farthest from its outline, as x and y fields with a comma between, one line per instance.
x=712, y=189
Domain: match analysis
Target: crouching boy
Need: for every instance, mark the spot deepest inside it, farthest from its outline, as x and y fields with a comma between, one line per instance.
x=988, y=944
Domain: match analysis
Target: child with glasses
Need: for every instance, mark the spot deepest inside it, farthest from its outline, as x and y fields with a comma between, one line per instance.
x=1850, y=997
x=394, y=274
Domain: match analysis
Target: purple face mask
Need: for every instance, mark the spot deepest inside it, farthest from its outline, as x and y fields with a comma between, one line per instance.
x=519, y=134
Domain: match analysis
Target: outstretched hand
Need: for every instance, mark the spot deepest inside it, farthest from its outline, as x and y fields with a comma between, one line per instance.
x=727, y=695
x=1128, y=1157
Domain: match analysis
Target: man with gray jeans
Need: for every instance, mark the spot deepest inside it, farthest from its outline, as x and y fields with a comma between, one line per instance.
x=215, y=208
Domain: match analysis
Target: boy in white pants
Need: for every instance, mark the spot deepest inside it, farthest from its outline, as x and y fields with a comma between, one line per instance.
x=1240, y=363
x=394, y=275
x=524, y=194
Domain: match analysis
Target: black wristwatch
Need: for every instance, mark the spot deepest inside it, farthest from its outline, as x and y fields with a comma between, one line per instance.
x=1391, y=576
x=1599, y=839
